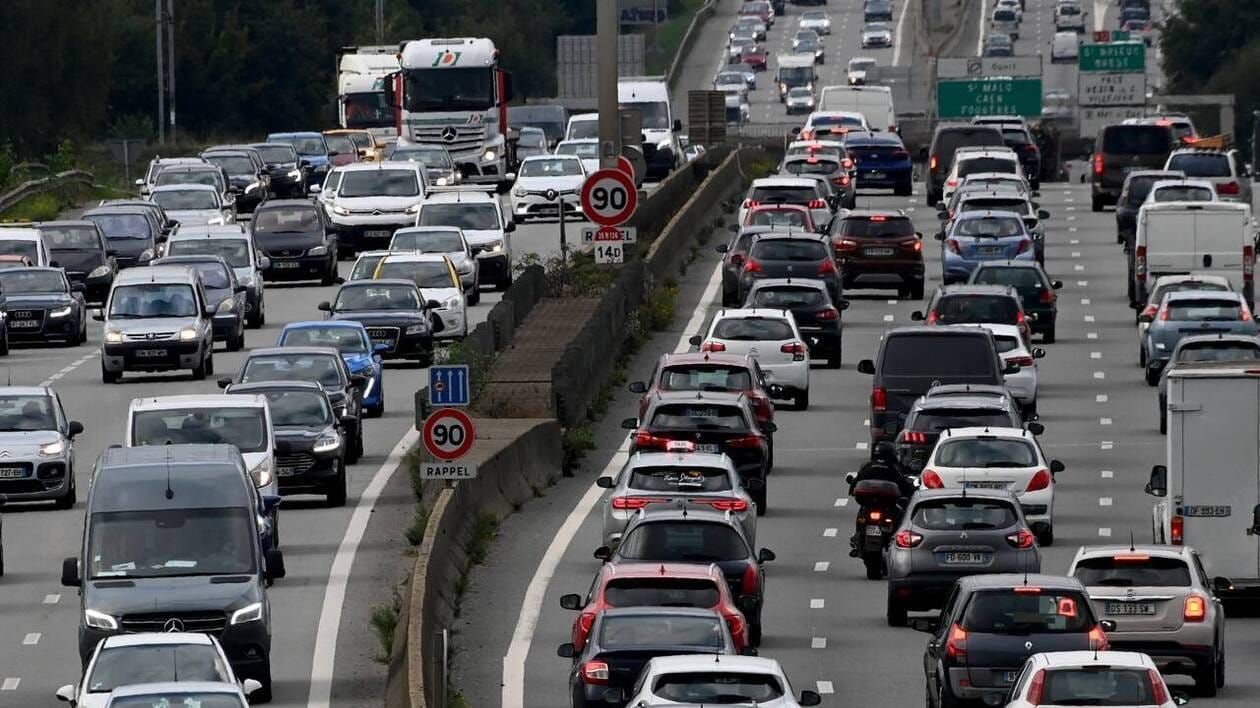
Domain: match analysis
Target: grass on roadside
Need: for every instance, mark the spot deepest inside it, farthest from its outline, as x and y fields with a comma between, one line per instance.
x=662, y=42
x=384, y=621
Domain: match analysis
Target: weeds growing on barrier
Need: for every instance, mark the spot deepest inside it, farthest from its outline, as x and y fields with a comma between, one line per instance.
x=576, y=441
x=580, y=277
x=384, y=621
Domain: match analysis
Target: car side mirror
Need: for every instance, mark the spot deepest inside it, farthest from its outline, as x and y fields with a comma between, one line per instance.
x=224, y=382
x=630, y=423
x=753, y=484
x=866, y=366
x=74, y=428
x=942, y=214
x=1043, y=214
x=249, y=686
x=572, y=601
x=637, y=387
x=566, y=651
x=264, y=263
x=1144, y=318
x=98, y=314
x=1056, y=284
x=615, y=696
x=695, y=340
x=509, y=227
x=275, y=564
x=722, y=247
x=432, y=304
x=324, y=306
x=1035, y=428
x=1038, y=353
x=924, y=624
x=940, y=236
x=1056, y=466
x=603, y=553
x=358, y=380
x=941, y=206
x=1104, y=624
x=140, y=182
x=769, y=427
x=917, y=316
x=810, y=698
x=1158, y=484
x=66, y=693
x=77, y=287
x=239, y=289
x=918, y=235
x=605, y=483
x=765, y=555
x=379, y=347
x=70, y=573
x=209, y=311
x=314, y=189
x=1255, y=521
x=842, y=305
x=850, y=478
x=1221, y=585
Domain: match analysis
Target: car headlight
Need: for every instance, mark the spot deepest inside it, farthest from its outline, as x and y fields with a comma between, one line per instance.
x=261, y=473
x=52, y=449
x=494, y=247
x=413, y=209
x=60, y=311
x=318, y=251
x=248, y=613
x=253, y=186
x=113, y=336
x=100, y=620
x=228, y=305
x=327, y=442
x=145, y=255
x=1159, y=346
x=187, y=334
x=453, y=302
x=295, y=174
x=99, y=272
x=441, y=181
x=340, y=210
x=369, y=371
x=417, y=329
x=489, y=155
x=518, y=192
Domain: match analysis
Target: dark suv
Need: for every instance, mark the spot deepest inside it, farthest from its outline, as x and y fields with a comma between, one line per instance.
x=296, y=238
x=790, y=256
x=975, y=304
x=1137, y=184
x=1121, y=148
x=1036, y=291
x=945, y=142
x=879, y=248
x=902, y=371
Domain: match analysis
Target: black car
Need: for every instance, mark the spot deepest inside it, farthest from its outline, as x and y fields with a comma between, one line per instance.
x=320, y=364
x=394, y=314
x=931, y=415
x=165, y=224
x=1137, y=185
x=817, y=315
x=975, y=304
x=247, y=173
x=80, y=248
x=623, y=640
x=801, y=255
x=1036, y=291
x=1019, y=138
x=131, y=232
x=733, y=255
x=294, y=234
x=877, y=11
x=946, y=140
x=286, y=170
x=310, y=449
x=223, y=292
x=41, y=304
x=991, y=624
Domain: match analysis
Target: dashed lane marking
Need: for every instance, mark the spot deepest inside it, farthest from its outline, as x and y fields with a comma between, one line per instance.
x=31, y=639
x=1082, y=283
x=1085, y=301
x=816, y=603
x=861, y=445
x=1106, y=474
x=10, y=684
x=1076, y=254
x=52, y=599
x=1104, y=532
x=1104, y=421
x=888, y=318
x=1091, y=335
x=825, y=688
x=822, y=566
x=842, y=501
x=1104, y=501
x=1100, y=398
x=1078, y=267
x=1089, y=318
x=830, y=532
x=1100, y=375
x=1106, y=445
x=1095, y=355
x=818, y=643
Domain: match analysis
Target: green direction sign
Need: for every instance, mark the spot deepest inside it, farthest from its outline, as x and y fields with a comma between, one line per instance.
x=982, y=97
x=1116, y=58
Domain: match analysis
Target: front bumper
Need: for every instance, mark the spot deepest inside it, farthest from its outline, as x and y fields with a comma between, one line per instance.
x=143, y=356
x=60, y=328
x=400, y=345
x=369, y=234
x=43, y=479
x=537, y=205
x=226, y=326
x=307, y=472
x=454, y=323
x=300, y=268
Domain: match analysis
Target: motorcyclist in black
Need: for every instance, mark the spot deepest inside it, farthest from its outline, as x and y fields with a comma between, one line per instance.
x=884, y=466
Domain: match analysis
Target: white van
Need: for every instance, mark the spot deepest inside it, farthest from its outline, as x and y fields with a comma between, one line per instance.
x=1200, y=238
x=240, y=420
x=874, y=102
x=1206, y=496
x=649, y=95
x=582, y=126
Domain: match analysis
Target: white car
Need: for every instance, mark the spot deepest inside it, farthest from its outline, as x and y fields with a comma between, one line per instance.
x=374, y=199
x=1011, y=347
x=448, y=241
x=856, y=71
x=769, y=336
x=800, y=99
x=1120, y=679
x=815, y=20
x=1064, y=47
x=820, y=124
x=480, y=216
x=193, y=204
x=365, y=265
x=1069, y=17
x=543, y=175
x=787, y=188
x=586, y=149
x=998, y=458
x=804, y=35
x=190, y=694
x=148, y=657
x=435, y=275
x=1181, y=190
x=697, y=679
x=876, y=34
x=968, y=161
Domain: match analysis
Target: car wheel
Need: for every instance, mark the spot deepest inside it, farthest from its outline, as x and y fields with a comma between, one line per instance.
x=263, y=694
x=874, y=566
x=210, y=363
x=110, y=377
x=337, y=493
x=1220, y=671
x=1163, y=420
x=800, y=401
x=903, y=189
x=330, y=276
x=1096, y=202
x=4, y=344
x=1030, y=410
x=1142, y=356
x=200, y=371
x=833, y=361
x=236, y=341
x=71, y=497
x=759, y=498
x=474, y=297
x=1205, y=678
x=896, y=616
x=1045, y=537
x=504, y=283
x=754, y=633
x=1152, y=376
x=1047, y=337
x=916, y=291
x=1, y=560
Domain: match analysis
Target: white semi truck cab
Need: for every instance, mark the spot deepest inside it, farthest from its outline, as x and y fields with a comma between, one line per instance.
x=363, y=75
x=451, y=92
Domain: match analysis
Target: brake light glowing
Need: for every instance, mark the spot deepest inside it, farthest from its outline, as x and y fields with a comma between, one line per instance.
x=1195, y=609
x=1230, y=188
x=951, y=182
x=752, y=266
x=633, y=503
x=879, y=217
x=811, y=160
x=913, y=244
x=1131, y=558
x=1098, y=164
x=907, y=539
x=931, y=317
x=1046, y=295
x=914, y=437
x=931, y=480
x=1139, y=263
x=842, y=180
x=796, y=349
x=1040, y=480
x=750, y=203
x=736, y=623
x=1159, y=692
x=586, y=620
x=1163, y=313
x=879, y=399
x=956, y=644
x=1036, y=687
x=1028, y=589
x=724, y=504
x=933, y=162
x=1149, y=311
x=817, y=204
x=595, y=672
x=1022, y=360
x=1177, y=530
x=875, y=515
x=828, y=314
x=1067, y=607
x=644, y=439
x=745, y=442
x=1020, y=539
x=1244, y=312
x=847, y=163
x=846, y=244
x=713, y=347
x=952, y=245
x=827, y=267
x=1020, y=318
x=1098, y=639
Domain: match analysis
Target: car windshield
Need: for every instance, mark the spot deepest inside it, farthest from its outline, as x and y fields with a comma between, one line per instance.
x=789, y=298
x=655, y=115
x=477, y=217
x=698, y=416
x=347, y=340
x=15, y=280
x=661, y=592
x=233, y=250
x=293, y=367
x=584, y=149
x=235, y=165
x=379, y=183
x=1014, y=277
x=26, y=413
x=155, y=663
x=706, y=377
x=793, y=218
x=782, y=249
x=977, y=165
x=684, y=541
x=305, y=145
x=1201, y=164
x=970, y=309
x=875, y=27
x=425, y=274
x=71, y=238
x=365, y=266
x=171, y=542
x=286, y=219
x=378, y=297
x=144, y=300
x=178, y=176
x=214, y=276
x=306, y=409
x=963, y=514
x=877, y=226
x=585, y=128
x=428, y=156
x=245, y=427
x=175, y=200
x=1098, y=686
x=1218, y=351
x=800, y=92
x=1027, y=609
x=1183, y=194
x=341, y=144
x=717, y=687
x=989, y=227
x=532, y=138
x=629, y=632
x=811, y=166
x=19, y=247
x=551, y=167
x=427, y=241
x=188, y=699
x=1201, y=310
x=1136, y=140
x=276, y=153
x=680, y=479
x=449, y=88
x=937, y=420
x=861, y=64
x=954, y=356
x=986, y=452
x=752, y=329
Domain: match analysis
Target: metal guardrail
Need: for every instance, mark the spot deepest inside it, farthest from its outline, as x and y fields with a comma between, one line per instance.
x=47, y=184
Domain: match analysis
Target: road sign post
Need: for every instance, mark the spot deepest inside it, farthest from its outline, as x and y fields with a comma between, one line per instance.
x=609, y=197
x=1119, y=58
x=980, y=67
x=449, y=385
x=999, y=96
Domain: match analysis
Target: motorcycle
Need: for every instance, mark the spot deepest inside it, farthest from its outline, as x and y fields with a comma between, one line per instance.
x=879, y=513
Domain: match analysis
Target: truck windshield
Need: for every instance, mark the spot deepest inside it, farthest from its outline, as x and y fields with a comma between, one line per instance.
x=655, y=115
x=449, y=89
x=366, y=110
x=170, y=542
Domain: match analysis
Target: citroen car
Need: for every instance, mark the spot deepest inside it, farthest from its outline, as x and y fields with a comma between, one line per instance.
x=39, y=441
x=157, y=319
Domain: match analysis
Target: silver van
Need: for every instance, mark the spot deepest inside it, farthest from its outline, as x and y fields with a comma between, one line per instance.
x=157, y=319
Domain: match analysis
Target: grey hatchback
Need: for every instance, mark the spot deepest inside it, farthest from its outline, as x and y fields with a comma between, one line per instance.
x=1191, y=312
x=947, y=534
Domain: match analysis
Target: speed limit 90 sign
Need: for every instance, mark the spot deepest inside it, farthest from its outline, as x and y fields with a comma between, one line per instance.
x=448, y=434
x=609, y=197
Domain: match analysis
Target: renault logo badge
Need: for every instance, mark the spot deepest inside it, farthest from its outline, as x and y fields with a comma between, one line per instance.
x=449, y=134
x=176, y=624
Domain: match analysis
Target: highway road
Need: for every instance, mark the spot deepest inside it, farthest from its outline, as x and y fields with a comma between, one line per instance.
x=39, y=618
x=823, y=620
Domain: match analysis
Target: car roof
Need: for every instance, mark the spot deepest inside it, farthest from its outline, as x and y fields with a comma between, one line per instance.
x=368, y=282
x=122, y=472
x=1148, y=549
x=1183, y=278
x=960, y=493
x=783, y=181
x=995, y=431
x=693, y=358
x=670, y=569
x=460, y=196
x=960, y=331
x=238, y=389
x=1122, y=659
x=1202, y=295
x=229, y=231
x=1002, y=330
x=195, y=400
x=709, y=664
x=1134, y=174
x=549, y=156
x=802, y=283
x=672, y=459
x=286, y=351
x=178, y=687
x=152, y=638
x=1014, y=580
x=718, y=397
x=977, y=289
x=278, y=203
x=1031, y=265
x=1181, y=182
x=25, y=391
x=414, y=257
x=868, y=213
x=659, y=610
x=156, y=274
x=184, y=188
x=969, y=400
x=21, y=233
x=749, y=312
x=873, y=139
x=406, y=165
x=319, y=324
x=1229, y=337
x=990, y=213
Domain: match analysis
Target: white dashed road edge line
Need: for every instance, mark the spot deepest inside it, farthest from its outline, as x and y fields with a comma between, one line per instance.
x=66, y=370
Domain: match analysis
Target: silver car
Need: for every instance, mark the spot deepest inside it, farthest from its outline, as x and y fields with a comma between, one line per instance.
x=1191, y=312
x=946, y=534
x=1163, y=605
x=38, y=444
x=1199, y=348
x=450, y=242
x=701, y=480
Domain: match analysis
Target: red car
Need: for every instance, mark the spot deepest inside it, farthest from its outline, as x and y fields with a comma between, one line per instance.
x=709, y=371
x=786, y=216
x=761, y=9
x=657, y=585
x=755, y=56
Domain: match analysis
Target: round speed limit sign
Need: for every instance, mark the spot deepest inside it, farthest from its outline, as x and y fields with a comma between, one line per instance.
x=609, y=197
x=448, y=434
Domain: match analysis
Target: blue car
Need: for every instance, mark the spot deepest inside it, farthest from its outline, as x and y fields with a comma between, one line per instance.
x=882, y=162
x=311, y=148
x=985, y=235
x=356, y=347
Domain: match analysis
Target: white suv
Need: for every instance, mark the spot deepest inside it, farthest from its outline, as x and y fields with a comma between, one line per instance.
x=488, y=230
x=373, y=199
x=769, y=336
x=1223, y=168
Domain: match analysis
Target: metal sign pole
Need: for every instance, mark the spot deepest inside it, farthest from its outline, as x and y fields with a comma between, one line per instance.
x=606, y=71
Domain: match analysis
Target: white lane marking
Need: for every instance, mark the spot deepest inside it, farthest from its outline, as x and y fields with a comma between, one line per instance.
x=1100, y=375
x=1084, y=301
x=1105, y=445
x=816, y=603
x=892, y=302
x=1074, y=242
x=1095, y=355
x=1071, y=208
x=1089, y=318
x=866, y=422
x=1104, y=421
x=52, y=599
x=1091, y=335
x=888, y=318
x=1072, y=229
x=1100, y=14
x=513, y=693
x=325, y=655
x=1106, y=474
x=818, y=643
x=1104, y=501
x=1082, y=283
x=1100, y=398
x=825, y=688
x=901, y=26
x=68, y=369
x=1071, y=218
x=1078, y=267
x=842, y=501
x=10, y=684
x=31, y=639
x=830, y=532
x=822, y=566
x=1104, y=532
x=861, y=445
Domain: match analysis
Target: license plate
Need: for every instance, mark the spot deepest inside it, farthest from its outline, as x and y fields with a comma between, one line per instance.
x=707, y=447
x=282, y=265
x=875, y=175
x=984, y=485
x=965, y=558
x=150, y=353
x=24, y=324
x=877, y=251
x=990, y=250
x=874, y=530
x=377, y=234
x=1210, y=510
x=286, y=471
x=12, y=472
x=1130, y=608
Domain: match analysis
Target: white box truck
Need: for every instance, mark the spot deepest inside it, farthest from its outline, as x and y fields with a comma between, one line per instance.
x=1208, y=493
x=874, y=102
x=1200, y=238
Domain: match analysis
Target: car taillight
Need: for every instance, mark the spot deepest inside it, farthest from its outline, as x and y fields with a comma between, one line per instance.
x=827, y=267
x=1139, y=263
x=907, y=539
x=751, y=581
x=585, y=621
x=879, y=399
x=1036, y=687
x=632, y=503
x=1249, y=263
x=914, y=437
x=1040, y=480
x=1020, y=317
x=1244, y=312
x=761, y=405
x=956, y=644
x=1098, y=165
x=827, y=313
x=847, y=163
x=644, y=439
x=713, y=347
x=595, y=672
x=1159, y=692
x=913, y=244
x=931, y=480
x=1030, y=148
x=1046, y=296
x=1230, y=188
x=900, y=154
x=951, y=182
x=1025, y=245
x=1177, y=530
x=1195, y=609
x=933, y=162
x=1020, y=539
x=932, y=317
x=736, y=624
x=1149, y=311
x=745, y=442
x=750, y=203
x=1098, y=639
x=952, y=245
x=842, y=180
x=1163, y=313
x=817, y=204
x=752, y=266
x=796, y=349
x=1022, y=360
x=846, y=244
x=724, y=504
